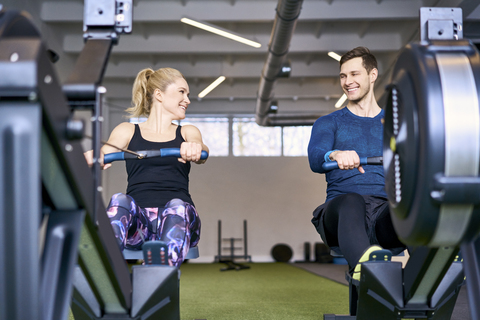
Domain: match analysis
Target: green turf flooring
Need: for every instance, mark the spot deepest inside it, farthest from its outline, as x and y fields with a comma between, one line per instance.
x=274, y=291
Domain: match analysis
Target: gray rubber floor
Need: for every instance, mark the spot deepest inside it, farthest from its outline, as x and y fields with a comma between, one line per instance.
x=336, y=272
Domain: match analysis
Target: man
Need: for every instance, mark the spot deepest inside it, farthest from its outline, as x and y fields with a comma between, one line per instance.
x=355, y=219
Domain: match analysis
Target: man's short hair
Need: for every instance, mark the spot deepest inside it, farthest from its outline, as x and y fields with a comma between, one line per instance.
x=369, y=60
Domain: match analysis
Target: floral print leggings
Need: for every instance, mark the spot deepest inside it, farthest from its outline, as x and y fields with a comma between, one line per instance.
x=178, y=225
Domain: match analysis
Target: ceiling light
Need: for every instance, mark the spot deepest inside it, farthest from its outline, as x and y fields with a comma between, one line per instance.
x=285, y=70
x=212, y=86
x=334, y=55
x=343, y=98
x=341, y=101
x=221, y=32
x=273, y=107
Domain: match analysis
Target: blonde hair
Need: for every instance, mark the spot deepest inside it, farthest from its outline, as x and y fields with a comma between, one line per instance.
x=146, y=82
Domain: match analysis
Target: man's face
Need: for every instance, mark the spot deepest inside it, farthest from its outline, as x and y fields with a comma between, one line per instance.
x=354, y=79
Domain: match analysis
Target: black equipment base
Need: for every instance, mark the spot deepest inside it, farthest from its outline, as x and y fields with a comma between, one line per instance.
x=155, y=295
x=233, y=266
x=380, y=295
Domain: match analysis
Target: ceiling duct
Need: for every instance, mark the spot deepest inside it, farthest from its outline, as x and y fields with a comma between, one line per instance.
x=283, y=28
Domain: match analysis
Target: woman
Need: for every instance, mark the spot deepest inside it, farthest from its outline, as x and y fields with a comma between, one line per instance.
x=157, y=187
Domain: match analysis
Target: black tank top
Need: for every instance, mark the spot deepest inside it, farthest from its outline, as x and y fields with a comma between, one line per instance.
x=152, y=182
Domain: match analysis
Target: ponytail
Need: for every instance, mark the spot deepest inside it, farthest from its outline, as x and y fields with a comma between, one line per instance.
x=141, y=100
x=146, y=82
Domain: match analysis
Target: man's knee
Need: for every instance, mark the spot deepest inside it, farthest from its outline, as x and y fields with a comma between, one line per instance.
x=351, y=200
x=352, y=197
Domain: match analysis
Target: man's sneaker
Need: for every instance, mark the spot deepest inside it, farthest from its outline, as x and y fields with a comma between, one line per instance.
x=375, y=252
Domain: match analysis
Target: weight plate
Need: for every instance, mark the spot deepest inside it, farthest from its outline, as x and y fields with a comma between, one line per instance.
x=422, y=138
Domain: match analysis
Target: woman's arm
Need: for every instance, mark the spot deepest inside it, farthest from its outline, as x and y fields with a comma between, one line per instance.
x=120, y=137
x=191, y=149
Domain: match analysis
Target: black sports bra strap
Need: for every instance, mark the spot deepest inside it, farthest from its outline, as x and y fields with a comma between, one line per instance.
x=178, y=133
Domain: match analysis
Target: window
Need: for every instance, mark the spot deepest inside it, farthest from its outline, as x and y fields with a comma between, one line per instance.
x=137, y=120
x=214, y=133
x=246, y=138
x=295, y=140
x=250, y=139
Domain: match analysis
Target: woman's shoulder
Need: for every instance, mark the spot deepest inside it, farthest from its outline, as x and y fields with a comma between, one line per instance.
x=125, y=126
x=124, y=129
x=120, y=136
x=189, y=128
x=190, y=131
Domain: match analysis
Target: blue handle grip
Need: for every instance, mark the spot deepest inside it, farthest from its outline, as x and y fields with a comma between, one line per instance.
x=165, y=152
x=175, y=152
x=116, y=156
x=328, y=166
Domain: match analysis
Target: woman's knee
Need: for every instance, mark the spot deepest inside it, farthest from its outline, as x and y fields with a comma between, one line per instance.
x=184, y=210
x=181, y=208
x=121, y=200
x=176, y=203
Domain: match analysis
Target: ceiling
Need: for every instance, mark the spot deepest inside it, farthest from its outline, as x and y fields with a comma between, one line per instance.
x=159, y=39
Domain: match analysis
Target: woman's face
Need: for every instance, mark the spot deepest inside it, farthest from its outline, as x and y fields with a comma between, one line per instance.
x=175, y=98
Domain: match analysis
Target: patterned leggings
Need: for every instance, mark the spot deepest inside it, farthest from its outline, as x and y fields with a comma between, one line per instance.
x=178, y=225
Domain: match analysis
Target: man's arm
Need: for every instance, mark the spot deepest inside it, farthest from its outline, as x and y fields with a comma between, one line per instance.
x=321, y=142
x=321, y=148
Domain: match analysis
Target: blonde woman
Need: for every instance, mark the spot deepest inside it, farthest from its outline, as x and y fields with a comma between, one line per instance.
x=157, y=186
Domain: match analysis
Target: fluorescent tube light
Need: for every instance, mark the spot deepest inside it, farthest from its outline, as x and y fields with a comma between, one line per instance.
x=343, y=98
x=219, y=31
x=334, y=55
x=341, y=101
x=212, y=86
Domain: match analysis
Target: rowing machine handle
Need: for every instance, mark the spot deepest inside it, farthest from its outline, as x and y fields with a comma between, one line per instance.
x=165, y=152
x=328, y=166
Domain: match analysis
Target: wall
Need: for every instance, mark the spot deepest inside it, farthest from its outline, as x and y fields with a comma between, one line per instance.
x=275, y=195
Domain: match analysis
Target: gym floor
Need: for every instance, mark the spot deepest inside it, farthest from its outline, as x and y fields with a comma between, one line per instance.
x=336, y=272
x=271, y=291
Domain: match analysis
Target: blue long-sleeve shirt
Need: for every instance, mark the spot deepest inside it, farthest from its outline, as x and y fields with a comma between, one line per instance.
x=343, y=130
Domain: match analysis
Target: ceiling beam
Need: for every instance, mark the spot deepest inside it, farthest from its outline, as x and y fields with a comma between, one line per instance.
x=285, y=88
x=197, y=66
x=173, y=44
x=239, y=106
x=248, y=11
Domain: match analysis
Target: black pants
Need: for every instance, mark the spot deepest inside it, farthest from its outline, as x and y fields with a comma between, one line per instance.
x=354, y=222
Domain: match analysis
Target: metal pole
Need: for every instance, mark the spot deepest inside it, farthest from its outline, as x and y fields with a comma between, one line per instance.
x=232, y=248
x=219, y=240
x=20, y=214
x=245, y=239
x=97, y=120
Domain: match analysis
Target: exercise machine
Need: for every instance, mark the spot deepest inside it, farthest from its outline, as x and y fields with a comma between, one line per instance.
x=431, y=161
x=229, y=259
x=56, y=246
